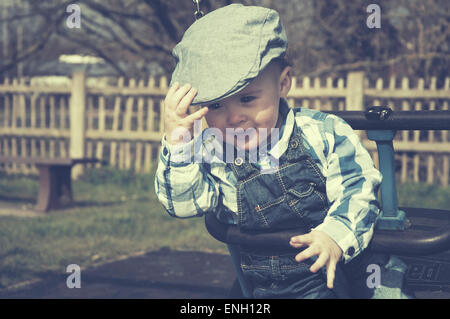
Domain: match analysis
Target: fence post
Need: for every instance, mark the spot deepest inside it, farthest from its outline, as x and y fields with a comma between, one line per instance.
x=355, y=91
x=354, y=100
x=77, y=117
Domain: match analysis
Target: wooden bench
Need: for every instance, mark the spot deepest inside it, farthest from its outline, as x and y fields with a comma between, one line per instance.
x=54, y=178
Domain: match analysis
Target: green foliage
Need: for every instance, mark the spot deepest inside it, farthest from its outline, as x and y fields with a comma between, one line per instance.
x=18, y=186
x=125, y=178
x=424, y=196
x=116, y=214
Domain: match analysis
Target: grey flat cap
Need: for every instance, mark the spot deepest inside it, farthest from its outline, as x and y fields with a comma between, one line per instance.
x=223, y=51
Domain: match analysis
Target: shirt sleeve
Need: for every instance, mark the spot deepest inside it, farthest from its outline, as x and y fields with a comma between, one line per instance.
x=352, y=183
x=182, y=185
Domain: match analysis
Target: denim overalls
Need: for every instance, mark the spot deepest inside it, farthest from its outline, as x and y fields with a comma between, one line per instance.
x=292, y=197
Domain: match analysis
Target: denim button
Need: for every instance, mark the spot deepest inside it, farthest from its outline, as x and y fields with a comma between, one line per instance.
x=351, y=251
x=238, y=161
x=294, y=143
x=165, y=151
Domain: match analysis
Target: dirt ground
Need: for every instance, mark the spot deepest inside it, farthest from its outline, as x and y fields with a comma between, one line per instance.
x=170, y=274
x=162, y=274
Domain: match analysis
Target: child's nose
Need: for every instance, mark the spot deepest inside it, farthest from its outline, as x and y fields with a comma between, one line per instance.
x=235, y=116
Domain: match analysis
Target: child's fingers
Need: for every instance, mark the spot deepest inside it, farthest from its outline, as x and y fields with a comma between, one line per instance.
x=168, y=101
x=320, y=262
x=297, y=245
x=173, y=89
x=331, y=271
x=175, y=98
x=197, y=115
x=301, y=240
x=306, y=254
x=185, y=102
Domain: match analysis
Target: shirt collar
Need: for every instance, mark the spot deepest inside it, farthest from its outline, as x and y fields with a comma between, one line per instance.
x=286, y=129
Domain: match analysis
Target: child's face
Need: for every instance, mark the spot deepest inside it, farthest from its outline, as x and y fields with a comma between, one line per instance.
x=255, y=107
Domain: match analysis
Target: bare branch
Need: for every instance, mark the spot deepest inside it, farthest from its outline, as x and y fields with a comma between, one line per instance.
x=162, y=14
x=36, y=46
x=363, y=64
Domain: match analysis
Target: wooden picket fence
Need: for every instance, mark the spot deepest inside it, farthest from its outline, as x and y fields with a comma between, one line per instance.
x=122, y=122
x=421, y=156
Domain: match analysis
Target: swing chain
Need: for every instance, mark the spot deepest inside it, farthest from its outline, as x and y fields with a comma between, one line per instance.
x=198, y=13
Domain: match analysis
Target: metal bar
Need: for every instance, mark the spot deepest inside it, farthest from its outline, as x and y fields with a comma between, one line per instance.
x=398, y=120
x=406, y=242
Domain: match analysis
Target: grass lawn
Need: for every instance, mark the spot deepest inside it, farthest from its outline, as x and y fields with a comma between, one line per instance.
x=116, y=215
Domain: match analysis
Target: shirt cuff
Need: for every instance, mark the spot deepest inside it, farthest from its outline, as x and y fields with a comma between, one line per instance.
x=343, y=236
x=176, y=154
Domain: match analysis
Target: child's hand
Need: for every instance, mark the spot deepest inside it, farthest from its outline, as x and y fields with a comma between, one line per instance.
x=176, y=120
x=322, y=245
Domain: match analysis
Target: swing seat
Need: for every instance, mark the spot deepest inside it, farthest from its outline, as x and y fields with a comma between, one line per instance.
x=418, y=236
x=424, y=246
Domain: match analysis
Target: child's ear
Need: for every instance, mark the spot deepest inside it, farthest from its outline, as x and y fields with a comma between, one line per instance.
x=285, y=81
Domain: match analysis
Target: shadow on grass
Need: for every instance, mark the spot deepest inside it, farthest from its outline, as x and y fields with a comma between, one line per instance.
x=54, y=281
x=88, y=203
x=168, y=273
x=25, y=274
x=15, y=200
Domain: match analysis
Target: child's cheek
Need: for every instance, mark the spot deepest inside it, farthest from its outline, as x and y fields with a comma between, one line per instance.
x=213, y=120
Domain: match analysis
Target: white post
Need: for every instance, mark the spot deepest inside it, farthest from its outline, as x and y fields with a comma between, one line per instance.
x=355, y=91
x=354, y=101
x=77, y=117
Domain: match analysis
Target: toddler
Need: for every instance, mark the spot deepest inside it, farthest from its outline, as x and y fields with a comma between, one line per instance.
x=261, y=164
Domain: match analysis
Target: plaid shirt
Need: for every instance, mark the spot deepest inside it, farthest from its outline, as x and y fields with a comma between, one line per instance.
x=190, y=188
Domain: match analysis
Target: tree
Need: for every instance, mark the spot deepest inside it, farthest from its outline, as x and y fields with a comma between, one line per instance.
x=327, y=37
x=424, y=35
x=130, y=35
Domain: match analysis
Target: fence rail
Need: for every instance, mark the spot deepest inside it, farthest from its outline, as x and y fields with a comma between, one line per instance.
x=121, y=122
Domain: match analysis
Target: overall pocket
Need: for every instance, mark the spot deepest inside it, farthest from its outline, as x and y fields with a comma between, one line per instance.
x=256, y=270
x=309, y=203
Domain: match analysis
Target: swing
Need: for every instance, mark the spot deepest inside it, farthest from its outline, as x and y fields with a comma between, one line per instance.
x=419, y=236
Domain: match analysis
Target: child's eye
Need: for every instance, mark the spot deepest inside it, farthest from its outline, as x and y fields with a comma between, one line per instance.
x=247, y=99
x=214, y=106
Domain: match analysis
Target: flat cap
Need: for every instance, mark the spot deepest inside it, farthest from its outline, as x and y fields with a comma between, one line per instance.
x=223, y=51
